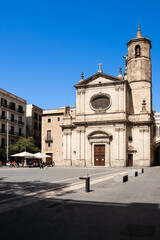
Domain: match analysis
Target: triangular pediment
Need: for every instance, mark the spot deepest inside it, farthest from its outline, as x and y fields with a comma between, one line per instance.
x=99, y=78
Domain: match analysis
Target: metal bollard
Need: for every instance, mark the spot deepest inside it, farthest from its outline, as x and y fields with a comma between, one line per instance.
x=87, y=185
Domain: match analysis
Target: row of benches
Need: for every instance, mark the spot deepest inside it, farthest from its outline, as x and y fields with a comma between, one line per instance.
x=124, y=177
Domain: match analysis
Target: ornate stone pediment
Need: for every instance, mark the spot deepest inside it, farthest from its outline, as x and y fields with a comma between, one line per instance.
x=99, y=134
x=99, y=79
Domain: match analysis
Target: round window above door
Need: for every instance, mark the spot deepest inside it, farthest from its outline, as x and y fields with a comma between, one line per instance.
x=100, y=102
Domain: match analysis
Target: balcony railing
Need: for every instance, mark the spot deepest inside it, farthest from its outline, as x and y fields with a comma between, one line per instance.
x=3, y=117
x=49, y=140
x=16, y=134
x=11, y=108
x=2, y=147
x=13, y=121
x=20, y=122
x=3, y=131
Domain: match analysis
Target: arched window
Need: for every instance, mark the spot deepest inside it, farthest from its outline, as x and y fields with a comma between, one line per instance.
x=137, y=50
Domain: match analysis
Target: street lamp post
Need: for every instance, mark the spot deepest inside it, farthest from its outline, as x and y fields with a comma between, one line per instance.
x=7, y=132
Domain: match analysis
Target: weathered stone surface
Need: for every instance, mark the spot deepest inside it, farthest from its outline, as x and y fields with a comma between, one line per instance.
x=121, y=178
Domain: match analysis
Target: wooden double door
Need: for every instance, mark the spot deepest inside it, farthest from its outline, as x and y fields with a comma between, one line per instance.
x=99, y=155
x=49, y=161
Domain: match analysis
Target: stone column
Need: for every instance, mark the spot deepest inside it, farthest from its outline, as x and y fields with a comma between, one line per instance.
x=78, y=102
x=117, y=98
x=124, y=98
x=68, y=146
x=64, y=146
x=78, y=144
x=83, y=102
x=121, y=102
x=118, y=142
x=122, y=132
x=83, y=145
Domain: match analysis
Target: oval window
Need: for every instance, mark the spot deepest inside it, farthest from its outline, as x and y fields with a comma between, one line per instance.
x=100, y=102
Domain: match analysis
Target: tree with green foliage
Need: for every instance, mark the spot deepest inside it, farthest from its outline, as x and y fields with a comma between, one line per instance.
x=24, y=144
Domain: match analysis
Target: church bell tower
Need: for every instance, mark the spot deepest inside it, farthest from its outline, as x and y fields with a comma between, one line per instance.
x=139, y=73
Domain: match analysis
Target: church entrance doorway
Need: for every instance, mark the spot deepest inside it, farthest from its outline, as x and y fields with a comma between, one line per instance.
x=157, y=155
x=130, y=160
x=99, y=155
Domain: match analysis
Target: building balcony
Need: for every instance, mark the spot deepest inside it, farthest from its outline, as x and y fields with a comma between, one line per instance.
x=12, y=109
x=2, y=147
x=20, y=123
x=14, y=134
x=49, y=140
x=13, y=121
x=3, y=131
x=3, y=117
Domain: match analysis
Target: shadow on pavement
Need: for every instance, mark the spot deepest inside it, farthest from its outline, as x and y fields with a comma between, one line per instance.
x=14, y=189
x=68, y=219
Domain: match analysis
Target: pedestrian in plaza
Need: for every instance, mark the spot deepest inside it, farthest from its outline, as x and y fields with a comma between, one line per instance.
x=41, y=164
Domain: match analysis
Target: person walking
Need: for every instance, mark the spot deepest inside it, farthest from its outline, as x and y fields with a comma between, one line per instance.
x=40, y=164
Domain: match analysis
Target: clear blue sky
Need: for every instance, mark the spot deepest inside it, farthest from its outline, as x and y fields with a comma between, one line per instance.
x=45, y=45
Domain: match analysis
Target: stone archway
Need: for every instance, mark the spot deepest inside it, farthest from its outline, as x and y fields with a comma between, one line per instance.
x=157, y=154
x=100, y=148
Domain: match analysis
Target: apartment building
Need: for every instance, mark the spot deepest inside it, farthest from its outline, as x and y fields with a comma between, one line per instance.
x=13, y=110
x=52, y=134
x=33, y=123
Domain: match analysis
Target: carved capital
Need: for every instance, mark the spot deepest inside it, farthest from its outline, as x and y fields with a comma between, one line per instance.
x=117, y=129
x=122, y=88
x=142, y=130
x=117, y=88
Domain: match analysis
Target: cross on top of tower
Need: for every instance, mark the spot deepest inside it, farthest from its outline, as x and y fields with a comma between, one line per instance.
x=139, y=34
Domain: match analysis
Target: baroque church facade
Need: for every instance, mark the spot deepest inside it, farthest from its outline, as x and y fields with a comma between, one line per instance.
x=112, y=123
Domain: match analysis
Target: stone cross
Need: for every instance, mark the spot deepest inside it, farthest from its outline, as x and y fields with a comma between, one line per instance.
x=100, y=65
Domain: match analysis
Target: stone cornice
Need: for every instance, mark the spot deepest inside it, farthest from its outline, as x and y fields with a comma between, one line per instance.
x=51, y=114
x=83, y=84
x=142, y=39
x=102, y=84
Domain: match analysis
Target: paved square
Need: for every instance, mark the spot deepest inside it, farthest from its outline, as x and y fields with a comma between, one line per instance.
x=52, y=203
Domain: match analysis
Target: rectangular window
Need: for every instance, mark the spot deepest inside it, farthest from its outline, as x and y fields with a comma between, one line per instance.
x=12, y=130
x=20, y=132
x=2, y=143
x=3, y=128
x=35, y=116
x=48, y=134
x=35, y=125
x=12, y=117
x=3, y=115
x=3, y=102
x=20, y=120
x=12, y=106
x=58, y=119
x=20, y=109
x=49, y=119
